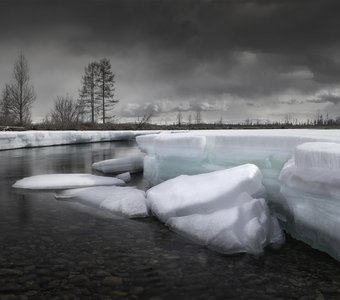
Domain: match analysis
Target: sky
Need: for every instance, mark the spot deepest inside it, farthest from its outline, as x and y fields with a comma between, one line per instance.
x=231, y=59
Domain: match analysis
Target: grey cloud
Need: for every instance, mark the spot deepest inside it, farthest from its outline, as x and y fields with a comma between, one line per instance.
x=188, y=51
x=326, y=97
x=165, y=106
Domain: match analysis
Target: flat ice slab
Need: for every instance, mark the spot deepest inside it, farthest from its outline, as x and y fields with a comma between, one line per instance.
x=64, y=181
x=216, y=210
x=130, y=164
x=126, y=201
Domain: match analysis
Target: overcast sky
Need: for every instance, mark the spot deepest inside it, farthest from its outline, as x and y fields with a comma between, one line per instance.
x=233, y=59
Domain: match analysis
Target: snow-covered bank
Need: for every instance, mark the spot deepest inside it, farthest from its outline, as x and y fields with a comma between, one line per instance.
x=27, y=139
x=304, y=209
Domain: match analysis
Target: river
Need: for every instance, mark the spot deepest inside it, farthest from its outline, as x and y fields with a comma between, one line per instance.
x=60, y=250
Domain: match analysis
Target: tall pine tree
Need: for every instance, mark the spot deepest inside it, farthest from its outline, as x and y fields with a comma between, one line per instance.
x=105, y=89
x=88, y=91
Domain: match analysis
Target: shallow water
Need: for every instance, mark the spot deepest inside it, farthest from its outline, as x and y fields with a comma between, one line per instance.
x=62, y=250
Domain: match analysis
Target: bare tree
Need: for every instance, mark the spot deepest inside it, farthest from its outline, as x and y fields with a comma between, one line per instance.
x=198, y=117
x=20, y=93
x=5, y=117
x=65, y=112
x=105, y=90
x=189, y=120
x=179, y=118
x=144, y=120
x=88, y=91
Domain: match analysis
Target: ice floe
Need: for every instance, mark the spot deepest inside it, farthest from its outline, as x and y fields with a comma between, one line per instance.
x=216, y=210
x=245, y=227
x=203, y=193
x=303, y=192
x=130, y=164
x=126, y=201
x=64, y=181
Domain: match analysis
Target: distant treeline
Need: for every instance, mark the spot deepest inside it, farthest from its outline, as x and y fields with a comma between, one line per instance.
x=94, y=108
x=95, y=102
x=320, y=123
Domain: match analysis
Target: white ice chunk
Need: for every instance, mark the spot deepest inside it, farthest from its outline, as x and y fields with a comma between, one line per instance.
x=174, y=145
x=318, y=156
x=310, y=183
x=130, y=164
x=204, y=193
x=126, y=201
x=64, y=181
x=146, y=143
x=126, y=177
x=318, y=181
x=242, y=228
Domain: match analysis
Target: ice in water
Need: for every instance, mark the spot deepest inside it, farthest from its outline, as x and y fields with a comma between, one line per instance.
x=203, y=193
x=304, y=191
x=310, y=183
x=64, y=181
x=126, y=177
x=216, y=210
x=130, y=164
x=126, y=201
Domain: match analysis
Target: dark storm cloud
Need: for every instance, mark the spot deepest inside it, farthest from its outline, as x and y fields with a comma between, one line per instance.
x=190, y=50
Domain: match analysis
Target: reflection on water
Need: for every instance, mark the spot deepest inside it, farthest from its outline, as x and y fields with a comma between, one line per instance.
x=16, y=164
x=62, y=250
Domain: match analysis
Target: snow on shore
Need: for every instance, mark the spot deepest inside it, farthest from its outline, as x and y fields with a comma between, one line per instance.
x=27, y=139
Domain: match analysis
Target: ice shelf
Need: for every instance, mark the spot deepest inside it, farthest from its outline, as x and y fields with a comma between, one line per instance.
x=310, y=183
x=308, y=187
x=27, y=139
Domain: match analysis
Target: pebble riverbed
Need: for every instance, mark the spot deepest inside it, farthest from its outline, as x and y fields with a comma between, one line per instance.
x=61, y=250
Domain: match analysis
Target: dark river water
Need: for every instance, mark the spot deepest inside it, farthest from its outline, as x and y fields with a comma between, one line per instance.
x=60, y=250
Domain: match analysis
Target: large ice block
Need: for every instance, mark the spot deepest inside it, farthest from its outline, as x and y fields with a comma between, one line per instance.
x=314, y=172
x=217, y=210
x=125, y=201
x=64, y=181
x=310, y=183
x=204, y=193
x=245, y=227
